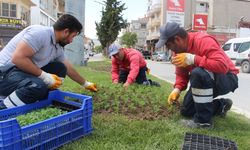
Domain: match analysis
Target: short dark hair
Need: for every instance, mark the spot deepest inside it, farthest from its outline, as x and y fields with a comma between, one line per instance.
x=181, y=33
x=68, y=21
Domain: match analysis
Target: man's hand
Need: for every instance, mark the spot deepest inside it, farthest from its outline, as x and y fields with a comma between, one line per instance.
x=173, y=97
x=148, y=71
x=183, y=60
x=52, y=80
x=126, y=85
x=90, y=86
x=115, y=82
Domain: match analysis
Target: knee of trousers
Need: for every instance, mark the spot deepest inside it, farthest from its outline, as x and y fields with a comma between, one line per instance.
x=62, y=68
x=187, y=113
x=200, y=75
x=32, y=90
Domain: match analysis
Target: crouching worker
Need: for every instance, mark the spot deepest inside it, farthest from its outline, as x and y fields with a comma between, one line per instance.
x=33, y=63
x=128, y=66
x=200, y=60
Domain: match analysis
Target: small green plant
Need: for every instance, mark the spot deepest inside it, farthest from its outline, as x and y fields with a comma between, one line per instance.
x=39, y=115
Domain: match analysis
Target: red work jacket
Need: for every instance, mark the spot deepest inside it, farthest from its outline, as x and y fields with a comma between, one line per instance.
x=132, y=62
x=208, y=55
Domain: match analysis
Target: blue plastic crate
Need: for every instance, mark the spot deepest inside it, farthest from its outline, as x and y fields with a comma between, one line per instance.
x=50, y=133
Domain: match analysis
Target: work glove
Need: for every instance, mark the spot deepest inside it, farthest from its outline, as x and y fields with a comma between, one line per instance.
x=90, y=86
x=148, y=71
x=183, y=60
x=173, y=97
x=51, y=80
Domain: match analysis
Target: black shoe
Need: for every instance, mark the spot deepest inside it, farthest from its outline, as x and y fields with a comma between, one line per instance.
x=227, y=104
x=154, y=83
x=2, y=106
x=192, y=124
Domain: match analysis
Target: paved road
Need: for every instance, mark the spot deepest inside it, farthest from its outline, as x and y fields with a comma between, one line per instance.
x=97, y=57
x=241, y=96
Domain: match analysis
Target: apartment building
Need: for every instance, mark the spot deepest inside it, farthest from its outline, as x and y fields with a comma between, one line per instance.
x=155, y=20
x=217, y=17
x=140, y=28
x=45, y=12
x=14, y=16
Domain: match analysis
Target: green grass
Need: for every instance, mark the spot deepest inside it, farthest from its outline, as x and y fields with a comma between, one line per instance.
x=119, y=124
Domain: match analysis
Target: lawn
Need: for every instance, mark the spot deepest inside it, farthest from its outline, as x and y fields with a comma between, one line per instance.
x=138, y=118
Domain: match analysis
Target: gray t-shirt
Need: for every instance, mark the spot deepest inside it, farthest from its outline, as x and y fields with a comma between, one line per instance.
x=41, y=39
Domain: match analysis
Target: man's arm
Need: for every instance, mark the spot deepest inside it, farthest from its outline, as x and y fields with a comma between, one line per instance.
x=134, y=69
x=73, y=74
x=115, y=71
x=22, y=59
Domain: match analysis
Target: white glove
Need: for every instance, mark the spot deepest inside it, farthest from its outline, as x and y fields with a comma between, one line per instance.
x=52, y=80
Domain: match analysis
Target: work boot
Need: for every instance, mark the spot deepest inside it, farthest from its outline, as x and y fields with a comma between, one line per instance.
x=192, y=124
x=154, y=83
x=2, y=106
x=227, y=104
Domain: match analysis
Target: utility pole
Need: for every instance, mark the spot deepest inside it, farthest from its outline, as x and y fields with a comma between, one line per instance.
x=74, y=52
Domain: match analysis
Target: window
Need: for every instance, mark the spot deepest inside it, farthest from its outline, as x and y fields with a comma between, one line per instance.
x=244, y=46
x=226, y=47
x=8, y=10
x=202, y=7
x=44, y=4
x=143, y=26
x=12, y=10
x=236, y=46
x=0, y=10
x=5, y=9
x=44, y=19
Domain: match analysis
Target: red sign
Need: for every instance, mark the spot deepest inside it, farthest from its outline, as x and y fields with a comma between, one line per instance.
x=200, y=22
x=175, y=5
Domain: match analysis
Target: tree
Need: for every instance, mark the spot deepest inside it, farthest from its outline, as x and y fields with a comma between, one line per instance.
x=129, y=39
x=111, y=23
x=98, y=48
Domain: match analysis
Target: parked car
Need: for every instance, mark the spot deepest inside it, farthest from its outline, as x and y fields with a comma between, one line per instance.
x=154, y=56
x=231, y=46
x=161, y=56
x=243, y=57
x=146, y=54
x=91, y=53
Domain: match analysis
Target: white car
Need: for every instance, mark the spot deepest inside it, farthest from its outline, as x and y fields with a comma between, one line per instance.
x=231, y=46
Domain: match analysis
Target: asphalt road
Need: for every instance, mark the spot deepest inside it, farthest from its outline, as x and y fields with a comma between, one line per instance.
x=241, y=96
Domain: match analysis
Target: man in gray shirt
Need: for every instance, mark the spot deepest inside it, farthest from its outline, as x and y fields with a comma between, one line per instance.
x=33, y=63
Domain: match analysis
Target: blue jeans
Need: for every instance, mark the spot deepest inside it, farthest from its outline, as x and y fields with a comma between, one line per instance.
x=200, y=79
x=28, y=88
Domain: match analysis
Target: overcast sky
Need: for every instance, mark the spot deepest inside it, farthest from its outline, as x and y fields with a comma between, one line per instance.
x=135, y=9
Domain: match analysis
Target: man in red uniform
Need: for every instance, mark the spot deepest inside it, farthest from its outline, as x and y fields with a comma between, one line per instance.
x=199, y=59
x=128, y=66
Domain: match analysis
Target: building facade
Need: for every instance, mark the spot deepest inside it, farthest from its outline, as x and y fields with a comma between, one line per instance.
x=140, y=28
x=155, y=20
x=217, y=17
x=14, y=16
x=46, y=12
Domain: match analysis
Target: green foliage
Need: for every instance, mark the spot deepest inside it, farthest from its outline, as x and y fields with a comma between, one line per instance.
x=111, y=22
x=115, y=129
x=39, y=115
x=138, y=101
x=98, y=49
x=129, y=39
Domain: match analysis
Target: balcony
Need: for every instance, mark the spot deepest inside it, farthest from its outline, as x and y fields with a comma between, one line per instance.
x=153, y=35
x=156, y=22
x=156, y=8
